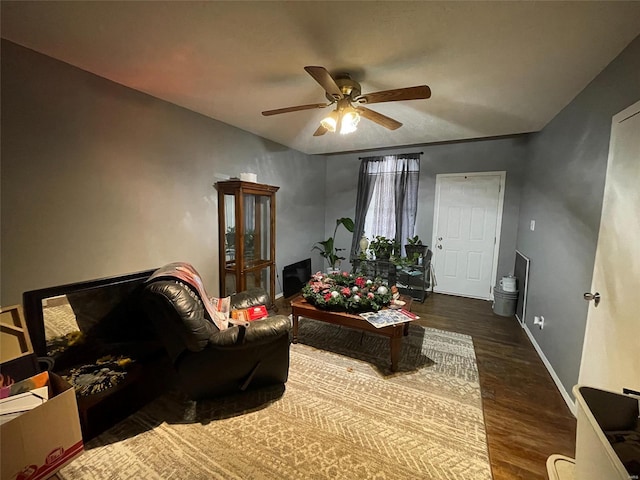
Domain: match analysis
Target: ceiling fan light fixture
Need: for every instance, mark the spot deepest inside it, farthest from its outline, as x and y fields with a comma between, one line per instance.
x=330, y=121
x=350, y=119
x=343, y=92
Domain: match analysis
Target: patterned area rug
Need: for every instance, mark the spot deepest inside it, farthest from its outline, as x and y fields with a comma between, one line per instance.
x=343, y=415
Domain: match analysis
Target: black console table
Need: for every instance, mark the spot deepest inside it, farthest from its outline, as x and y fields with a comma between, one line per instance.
x=385, y=269
x=413, y=280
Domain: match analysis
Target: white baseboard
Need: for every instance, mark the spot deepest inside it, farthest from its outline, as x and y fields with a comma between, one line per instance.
x=278, y=295
x=567, y=398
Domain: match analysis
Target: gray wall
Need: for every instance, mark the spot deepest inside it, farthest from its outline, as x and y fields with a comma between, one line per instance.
x=501, y=154
x=100, y=180
x=563, y=189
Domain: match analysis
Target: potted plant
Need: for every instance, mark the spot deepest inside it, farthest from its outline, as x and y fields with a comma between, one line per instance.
x=383, y=247
x=249, y=241
x=415, y=249
x=327, y=248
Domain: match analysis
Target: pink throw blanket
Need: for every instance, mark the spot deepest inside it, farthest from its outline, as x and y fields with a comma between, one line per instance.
x=187, y=274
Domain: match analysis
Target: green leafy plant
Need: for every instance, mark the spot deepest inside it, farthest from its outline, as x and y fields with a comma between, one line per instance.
x=383, y=247
x=415, y=240
x=249, y=237
x=327, y=247
x=415, y=249
x=405, y=262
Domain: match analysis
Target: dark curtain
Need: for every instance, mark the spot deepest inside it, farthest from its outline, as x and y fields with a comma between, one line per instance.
x=406, y=196
x=406, y=189
x=363, y=199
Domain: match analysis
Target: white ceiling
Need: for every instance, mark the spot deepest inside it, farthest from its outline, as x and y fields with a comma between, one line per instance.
x=494, y=68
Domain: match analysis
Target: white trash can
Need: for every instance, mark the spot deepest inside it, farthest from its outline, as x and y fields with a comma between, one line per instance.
x=504, y=303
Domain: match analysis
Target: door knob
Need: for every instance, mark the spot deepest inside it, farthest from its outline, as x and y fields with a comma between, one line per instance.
x=592, y=296
x=439, y=239
x=440, y=247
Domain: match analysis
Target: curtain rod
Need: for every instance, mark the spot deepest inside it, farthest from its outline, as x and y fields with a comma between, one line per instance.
x=362, y=158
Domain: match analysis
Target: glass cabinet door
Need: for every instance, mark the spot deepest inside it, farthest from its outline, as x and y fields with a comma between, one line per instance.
x=257, y=229
x=258, y=278
x=230, y=227
x=246, y=213
x=228, y=246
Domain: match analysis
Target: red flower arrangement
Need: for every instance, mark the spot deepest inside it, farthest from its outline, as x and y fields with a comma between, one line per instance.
x=346, y=292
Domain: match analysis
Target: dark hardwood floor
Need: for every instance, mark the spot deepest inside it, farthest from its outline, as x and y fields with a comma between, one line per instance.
x=525, y=415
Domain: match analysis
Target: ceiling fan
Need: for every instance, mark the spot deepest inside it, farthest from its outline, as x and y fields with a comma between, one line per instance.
x=346, y=94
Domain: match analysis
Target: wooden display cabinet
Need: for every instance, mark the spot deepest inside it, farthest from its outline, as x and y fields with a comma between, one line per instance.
x=246, y=236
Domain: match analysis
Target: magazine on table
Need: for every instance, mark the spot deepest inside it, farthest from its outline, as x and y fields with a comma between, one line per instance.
x=388, y=316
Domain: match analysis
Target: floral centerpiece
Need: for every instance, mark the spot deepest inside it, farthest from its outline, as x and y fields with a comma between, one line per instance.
x=346, y=292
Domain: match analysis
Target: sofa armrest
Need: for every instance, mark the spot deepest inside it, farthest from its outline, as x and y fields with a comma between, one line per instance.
x=269, y=327
x=258, y=331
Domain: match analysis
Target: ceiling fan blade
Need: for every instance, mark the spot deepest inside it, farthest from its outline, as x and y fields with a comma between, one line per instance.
x=326, y=81
x=295, y=109
x=410, y=93
x=320, y=131
x=378, y=118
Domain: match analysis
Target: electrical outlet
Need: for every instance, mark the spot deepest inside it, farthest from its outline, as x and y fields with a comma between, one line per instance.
x=532, y=225
x=539, y=320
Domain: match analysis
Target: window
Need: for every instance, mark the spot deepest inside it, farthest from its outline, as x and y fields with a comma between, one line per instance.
x=387, y=199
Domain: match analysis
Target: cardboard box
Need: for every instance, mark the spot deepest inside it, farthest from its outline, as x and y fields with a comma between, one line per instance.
x=39, y=442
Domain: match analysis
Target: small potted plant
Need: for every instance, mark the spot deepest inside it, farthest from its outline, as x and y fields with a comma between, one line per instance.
x=382, y=247
x=415, y=249
x=327, y=248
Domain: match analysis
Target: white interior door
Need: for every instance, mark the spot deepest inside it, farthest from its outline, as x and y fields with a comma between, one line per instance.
x=611, y=352
x=467, y=220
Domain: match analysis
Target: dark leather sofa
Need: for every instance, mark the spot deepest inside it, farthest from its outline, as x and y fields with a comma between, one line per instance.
x=210, y=362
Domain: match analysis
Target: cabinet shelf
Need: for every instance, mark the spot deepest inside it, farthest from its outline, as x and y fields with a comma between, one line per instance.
x=248, y=265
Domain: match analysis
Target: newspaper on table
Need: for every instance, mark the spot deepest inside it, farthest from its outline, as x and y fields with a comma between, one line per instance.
x=388, y=316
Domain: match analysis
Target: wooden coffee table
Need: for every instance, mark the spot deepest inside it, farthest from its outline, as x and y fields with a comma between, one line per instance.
x=301, y=308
